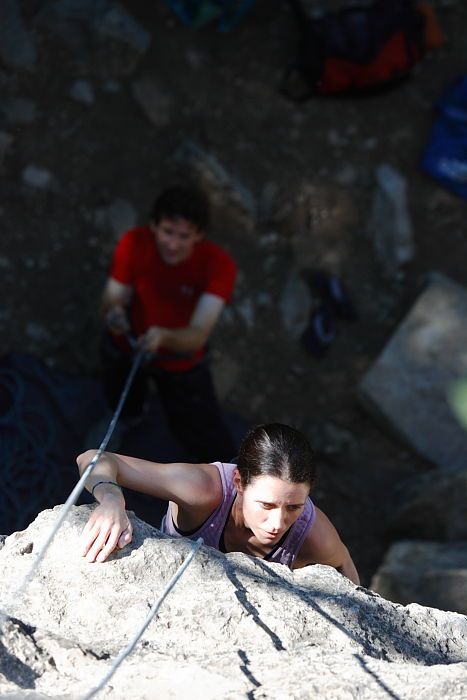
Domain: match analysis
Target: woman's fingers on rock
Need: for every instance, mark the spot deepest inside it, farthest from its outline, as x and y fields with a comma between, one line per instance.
x=101, y=536
x=98, y=543
x=125, y=538
x=110, y=545
x=88, y=536
x=89, y=525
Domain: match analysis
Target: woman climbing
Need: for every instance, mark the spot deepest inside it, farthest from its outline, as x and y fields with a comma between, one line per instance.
x=259, y=506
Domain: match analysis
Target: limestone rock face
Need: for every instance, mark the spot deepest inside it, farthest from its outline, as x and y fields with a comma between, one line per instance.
x=233, y=626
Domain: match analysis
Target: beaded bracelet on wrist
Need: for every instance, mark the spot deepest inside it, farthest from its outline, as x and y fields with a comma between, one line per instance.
x=114, y=483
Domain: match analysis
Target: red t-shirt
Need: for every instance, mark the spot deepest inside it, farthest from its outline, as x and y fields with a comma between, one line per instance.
x=166, y=295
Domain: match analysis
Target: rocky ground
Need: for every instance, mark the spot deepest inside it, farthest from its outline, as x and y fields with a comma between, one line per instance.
x=96, y=115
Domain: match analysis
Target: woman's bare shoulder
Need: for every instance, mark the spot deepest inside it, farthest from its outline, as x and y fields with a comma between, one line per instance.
x=322, y=542
x=199, y=497
x=209, y=480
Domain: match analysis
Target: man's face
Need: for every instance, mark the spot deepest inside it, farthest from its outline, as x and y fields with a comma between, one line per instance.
x=175, y=239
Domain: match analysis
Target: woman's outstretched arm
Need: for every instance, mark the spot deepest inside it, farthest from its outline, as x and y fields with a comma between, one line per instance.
x=193, y=488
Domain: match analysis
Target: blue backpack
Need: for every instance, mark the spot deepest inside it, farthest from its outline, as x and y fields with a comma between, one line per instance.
x=196, y=13
x=445, y=157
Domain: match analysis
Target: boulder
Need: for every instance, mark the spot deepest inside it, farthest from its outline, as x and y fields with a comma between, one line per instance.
x=432, y=573
x=229, y=198
x=17, y=47
x=295, y=305
x=390, y=225
x=82, y=91
x=407, y=385
x=232, y=626
x=154, y=102
x=101, y=35
x=431, y=506
x=38, y=177
x=319, y=220
x=105, y=18
x=226, y=372
x=118, y=216
x=116, y=23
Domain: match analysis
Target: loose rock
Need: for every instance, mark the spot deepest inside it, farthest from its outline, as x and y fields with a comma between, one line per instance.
x=17, y=48
x=82, y=91
x=154, y=103
x=36, y=176
x=390, y=226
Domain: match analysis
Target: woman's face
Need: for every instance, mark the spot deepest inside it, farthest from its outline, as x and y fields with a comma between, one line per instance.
x=270, y=506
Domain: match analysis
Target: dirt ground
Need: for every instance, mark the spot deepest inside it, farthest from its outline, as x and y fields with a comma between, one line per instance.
x=221, y=91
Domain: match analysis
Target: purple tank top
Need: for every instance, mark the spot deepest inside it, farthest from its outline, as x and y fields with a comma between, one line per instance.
x=211, y=530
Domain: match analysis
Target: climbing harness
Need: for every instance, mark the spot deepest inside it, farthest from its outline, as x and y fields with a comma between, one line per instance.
x=154, y=609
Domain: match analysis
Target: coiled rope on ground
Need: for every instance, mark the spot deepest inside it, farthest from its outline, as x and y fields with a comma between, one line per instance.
x=14, y=390
x=28, y=473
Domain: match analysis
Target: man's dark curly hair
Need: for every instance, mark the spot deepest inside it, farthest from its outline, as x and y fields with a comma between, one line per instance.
x=182, y=202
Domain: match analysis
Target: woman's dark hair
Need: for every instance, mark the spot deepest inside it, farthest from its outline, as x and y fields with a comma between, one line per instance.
x=275, y=449
x=182, y=202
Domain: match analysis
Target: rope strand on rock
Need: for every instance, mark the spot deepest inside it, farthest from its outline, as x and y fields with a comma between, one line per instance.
x=155, y=607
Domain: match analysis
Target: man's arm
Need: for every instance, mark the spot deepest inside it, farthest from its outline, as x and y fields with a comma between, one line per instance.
x=114, y=303
x=192, y=337
x=324, y=546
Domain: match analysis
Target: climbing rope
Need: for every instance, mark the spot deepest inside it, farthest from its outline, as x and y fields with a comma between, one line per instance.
x=154, y=609
x=74, y=495
x=15, y=390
